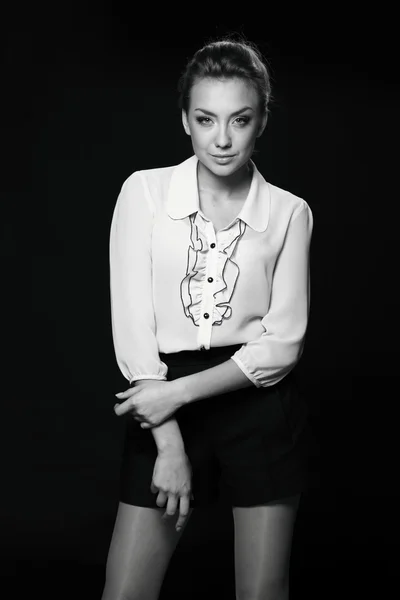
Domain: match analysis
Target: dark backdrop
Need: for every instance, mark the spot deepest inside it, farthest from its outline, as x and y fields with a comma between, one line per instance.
x=90, y=96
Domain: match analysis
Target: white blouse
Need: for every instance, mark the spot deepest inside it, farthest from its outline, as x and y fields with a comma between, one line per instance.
x=176, y=284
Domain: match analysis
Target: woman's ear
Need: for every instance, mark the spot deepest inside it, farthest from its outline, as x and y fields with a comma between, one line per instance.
x=185, y=122
x=262, y=124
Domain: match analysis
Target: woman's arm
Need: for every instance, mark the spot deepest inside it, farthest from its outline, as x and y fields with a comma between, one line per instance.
x=221, y=379
x=132, y=310
x=167, y=436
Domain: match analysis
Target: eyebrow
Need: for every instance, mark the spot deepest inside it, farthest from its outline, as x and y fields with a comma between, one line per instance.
x=211, y=114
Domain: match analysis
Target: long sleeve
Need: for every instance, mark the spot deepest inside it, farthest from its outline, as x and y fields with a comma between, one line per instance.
x=274, y=354
x=132, y=311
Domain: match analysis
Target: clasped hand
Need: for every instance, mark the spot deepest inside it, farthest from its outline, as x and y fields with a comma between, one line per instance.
x=149, y=401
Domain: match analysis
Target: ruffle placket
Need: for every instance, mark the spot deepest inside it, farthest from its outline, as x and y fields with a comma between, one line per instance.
x=228, y=272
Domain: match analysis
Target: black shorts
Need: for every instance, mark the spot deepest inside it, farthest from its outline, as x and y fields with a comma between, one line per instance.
x=251, y=445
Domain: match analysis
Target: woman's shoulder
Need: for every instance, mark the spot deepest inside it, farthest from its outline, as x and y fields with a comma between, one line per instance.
x=158, y=171
x=163, y=174
x=152, y=174
x=156, y=180
x=153, y=183
x=287, y=200
x=281, y=199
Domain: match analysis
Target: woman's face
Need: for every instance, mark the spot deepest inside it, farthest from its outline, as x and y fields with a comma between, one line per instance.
x=224, y=120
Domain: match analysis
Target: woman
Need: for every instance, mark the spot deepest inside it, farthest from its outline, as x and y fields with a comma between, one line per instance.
x=210, y=296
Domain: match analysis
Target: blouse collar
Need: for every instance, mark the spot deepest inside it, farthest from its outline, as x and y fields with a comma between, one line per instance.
x=183, y=196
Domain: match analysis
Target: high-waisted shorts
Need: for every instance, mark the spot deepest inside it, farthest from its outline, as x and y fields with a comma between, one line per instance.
x=250, y=445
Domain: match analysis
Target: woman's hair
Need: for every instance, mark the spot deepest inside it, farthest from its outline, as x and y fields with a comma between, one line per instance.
x=227, y=58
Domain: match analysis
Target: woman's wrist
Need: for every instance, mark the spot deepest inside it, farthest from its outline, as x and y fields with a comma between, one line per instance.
x=181, y=391
x=168, y=437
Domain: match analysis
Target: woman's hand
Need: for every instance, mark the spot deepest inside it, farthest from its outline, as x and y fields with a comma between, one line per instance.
x=151, y=402
x=172, y=480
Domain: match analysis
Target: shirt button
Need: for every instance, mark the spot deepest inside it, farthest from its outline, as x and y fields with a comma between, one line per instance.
x=202, y=347
x=206, y=315
x=210, y=279
x=212, y=245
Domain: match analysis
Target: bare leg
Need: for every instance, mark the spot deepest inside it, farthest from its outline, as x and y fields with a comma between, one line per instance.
x=263, y=543
x=141, y=547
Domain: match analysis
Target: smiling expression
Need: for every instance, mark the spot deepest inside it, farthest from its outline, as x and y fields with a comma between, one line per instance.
x=223, y=121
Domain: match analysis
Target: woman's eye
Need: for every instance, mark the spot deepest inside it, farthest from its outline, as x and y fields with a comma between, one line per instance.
x=203, y=120
x=242, y=120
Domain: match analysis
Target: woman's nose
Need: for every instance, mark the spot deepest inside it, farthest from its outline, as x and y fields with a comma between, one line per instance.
x=223, y=139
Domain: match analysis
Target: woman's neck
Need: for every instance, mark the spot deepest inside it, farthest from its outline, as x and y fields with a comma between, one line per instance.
x=227, y=187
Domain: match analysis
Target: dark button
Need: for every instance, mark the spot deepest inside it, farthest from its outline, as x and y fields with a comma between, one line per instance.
x=213, y=245
x=206, y=315
x=210, y=279
x=202, y=347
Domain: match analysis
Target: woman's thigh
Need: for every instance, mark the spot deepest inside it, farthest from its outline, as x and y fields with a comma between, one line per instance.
x=263, y=542
x=141, y=547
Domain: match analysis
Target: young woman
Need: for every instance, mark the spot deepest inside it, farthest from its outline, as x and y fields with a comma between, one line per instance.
x=210, y=296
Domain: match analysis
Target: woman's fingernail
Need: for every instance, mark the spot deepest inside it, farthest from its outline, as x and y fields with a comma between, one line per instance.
x=178, y=528
x=119, y=394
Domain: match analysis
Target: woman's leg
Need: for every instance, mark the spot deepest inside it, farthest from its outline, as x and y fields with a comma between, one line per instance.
x=141, y=547
x=263, y=542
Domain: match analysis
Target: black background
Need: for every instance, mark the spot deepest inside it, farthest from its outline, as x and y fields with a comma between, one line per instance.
x=89, y=97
